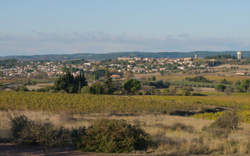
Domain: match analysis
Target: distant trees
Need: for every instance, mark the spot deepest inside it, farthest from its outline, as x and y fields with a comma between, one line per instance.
x=220, y=87
x=224, y=81
x=106, y=87
x=97, y=88
x=131, y=86
x=108, y=83
x=198, y=79
x=243, y=86
x=221, y=57
x=159, y=84
x=71, y=84
x=22, y=88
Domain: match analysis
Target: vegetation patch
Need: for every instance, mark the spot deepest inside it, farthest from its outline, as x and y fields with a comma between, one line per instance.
x=227, y=122
x=26, y=131
x=109, y=136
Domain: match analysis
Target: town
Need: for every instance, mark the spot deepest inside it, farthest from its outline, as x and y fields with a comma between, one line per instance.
x=12, y=69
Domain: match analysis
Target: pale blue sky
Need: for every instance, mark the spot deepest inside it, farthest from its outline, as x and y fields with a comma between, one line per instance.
x=73, y=26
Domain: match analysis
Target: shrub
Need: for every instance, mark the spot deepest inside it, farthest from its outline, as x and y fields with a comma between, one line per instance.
x=18, y=124
x=220, y=87
x=26, y=131
x=113, y=136
x=227, y=122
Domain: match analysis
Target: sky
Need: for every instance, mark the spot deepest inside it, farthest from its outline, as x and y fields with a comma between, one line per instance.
x=30, y=27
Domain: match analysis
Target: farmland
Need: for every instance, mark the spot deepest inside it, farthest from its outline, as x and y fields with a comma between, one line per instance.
x=85, y=103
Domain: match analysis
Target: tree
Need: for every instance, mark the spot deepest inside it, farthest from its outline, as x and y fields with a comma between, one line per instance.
x=108, y=83
x=22, y=88
x=243, y=86
x=96, y=88
x=132, y=85
x=71, y=84
x=220, y=87
x=80, y=80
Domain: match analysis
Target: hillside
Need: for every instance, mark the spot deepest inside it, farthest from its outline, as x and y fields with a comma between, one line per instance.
x=102, y=56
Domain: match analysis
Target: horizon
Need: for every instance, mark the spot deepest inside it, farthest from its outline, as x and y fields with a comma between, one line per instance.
x=97, y=53
x=92, y=26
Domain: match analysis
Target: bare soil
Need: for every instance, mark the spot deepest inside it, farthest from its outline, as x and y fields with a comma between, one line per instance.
x=9, y=149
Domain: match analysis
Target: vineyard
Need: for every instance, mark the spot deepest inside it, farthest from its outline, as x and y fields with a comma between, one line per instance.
x=84, y=103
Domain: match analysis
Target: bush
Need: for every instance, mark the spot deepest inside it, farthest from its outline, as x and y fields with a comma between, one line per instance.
x=220, y=87
x=25, y=131
x=227, y=122
x=113, y=136
x=18, y=124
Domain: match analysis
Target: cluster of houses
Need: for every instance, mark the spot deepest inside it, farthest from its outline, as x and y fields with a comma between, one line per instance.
x=119, y=66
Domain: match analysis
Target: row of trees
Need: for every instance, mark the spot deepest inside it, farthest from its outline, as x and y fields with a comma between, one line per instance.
x=71, y=84
x=79, y=84
x=239, y=86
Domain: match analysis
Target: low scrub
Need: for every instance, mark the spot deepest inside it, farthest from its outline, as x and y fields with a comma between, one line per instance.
x=110, y=136
x=26, y=131
x=227, y=122
x=113, y=136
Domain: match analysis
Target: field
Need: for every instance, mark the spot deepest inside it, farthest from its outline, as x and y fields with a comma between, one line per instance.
x=84, y=103
x=175, y=122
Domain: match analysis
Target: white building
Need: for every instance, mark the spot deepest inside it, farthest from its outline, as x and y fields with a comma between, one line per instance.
x=239, y=55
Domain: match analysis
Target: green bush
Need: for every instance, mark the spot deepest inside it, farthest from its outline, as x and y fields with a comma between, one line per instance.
x=220, y=87
x=113, y=136
x=131, y=86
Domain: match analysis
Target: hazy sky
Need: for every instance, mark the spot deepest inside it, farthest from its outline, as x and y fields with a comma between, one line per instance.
x=72, y=26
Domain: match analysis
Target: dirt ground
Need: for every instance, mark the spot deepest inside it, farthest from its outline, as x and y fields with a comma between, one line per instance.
x=8, y=149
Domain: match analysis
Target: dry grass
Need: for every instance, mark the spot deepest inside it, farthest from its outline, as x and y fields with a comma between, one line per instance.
x=162, y=127
x=39, y=86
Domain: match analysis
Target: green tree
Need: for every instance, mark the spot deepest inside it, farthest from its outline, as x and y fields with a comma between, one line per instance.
x=132, y=85
x=243, y=86
x=80, y=80
x=22, y=88
x=220, y=87
x=108, y=83
x=97, y=88
x=71, y=84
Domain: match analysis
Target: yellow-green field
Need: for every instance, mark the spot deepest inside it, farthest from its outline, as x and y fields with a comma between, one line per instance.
x=82, y=103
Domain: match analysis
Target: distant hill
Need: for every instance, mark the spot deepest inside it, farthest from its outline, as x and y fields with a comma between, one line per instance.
x=102, y=56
